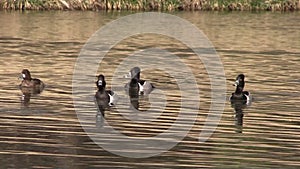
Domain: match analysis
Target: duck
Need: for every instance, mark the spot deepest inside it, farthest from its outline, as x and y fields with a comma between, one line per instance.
x=105, y=98
x=136, y=85
x=240, y=94
x=29, y=84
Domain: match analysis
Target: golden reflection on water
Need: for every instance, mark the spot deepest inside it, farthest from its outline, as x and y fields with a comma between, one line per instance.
x=263, y=46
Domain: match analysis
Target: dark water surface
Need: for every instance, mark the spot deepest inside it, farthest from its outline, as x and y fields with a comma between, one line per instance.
x=46, y=133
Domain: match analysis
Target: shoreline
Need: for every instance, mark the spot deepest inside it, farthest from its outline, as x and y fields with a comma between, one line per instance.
x=153, y=5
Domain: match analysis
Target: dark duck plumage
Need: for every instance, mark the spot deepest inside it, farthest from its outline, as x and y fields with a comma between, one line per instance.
x=104, y=97
x=240, y=94
x=136, y=86
x=30, y=85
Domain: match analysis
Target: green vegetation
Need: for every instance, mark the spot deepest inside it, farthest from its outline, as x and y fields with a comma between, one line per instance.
x=148, y=5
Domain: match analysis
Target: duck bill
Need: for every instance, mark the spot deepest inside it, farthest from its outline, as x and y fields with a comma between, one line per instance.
x=128, y=75
x=236, y=83
x=21, y=76
x=100, y=83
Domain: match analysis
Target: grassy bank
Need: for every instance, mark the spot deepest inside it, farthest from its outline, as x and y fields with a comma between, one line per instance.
x=148, y=5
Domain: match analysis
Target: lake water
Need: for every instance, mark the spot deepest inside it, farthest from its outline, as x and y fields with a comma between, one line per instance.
x=45, y=132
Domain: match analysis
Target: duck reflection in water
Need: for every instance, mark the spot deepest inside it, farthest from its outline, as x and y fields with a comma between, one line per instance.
x=25, y=99
x=137, y=87
x=238, y=107
x=29, y=86
x=240, y=100
x=104, y=99
x=134, y=98
x=100, y=116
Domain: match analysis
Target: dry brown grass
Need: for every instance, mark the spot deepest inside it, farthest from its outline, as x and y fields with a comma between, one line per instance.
x=148, y=5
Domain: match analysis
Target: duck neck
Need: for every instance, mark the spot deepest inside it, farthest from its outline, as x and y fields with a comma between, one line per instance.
x=28, y=78
x=239, y=89
x=133, y=82
x=26, y=82
x=101, y=89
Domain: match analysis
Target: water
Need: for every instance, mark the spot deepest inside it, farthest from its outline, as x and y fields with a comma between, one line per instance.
x=46, y=133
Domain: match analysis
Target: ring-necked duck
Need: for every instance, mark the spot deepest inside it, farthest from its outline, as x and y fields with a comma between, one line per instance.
x=137, y=85
x=104, y=97
x=239, y=94
x=29, y=84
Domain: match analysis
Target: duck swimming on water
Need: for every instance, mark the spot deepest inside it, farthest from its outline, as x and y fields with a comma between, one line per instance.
x=240, y=94
x=136, y=85
x=104, y=97
x=30, y=84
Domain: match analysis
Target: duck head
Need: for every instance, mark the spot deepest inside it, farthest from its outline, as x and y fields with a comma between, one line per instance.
x=135, y=73
x=25, y=75
x=101, y=82
x=239, y=82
